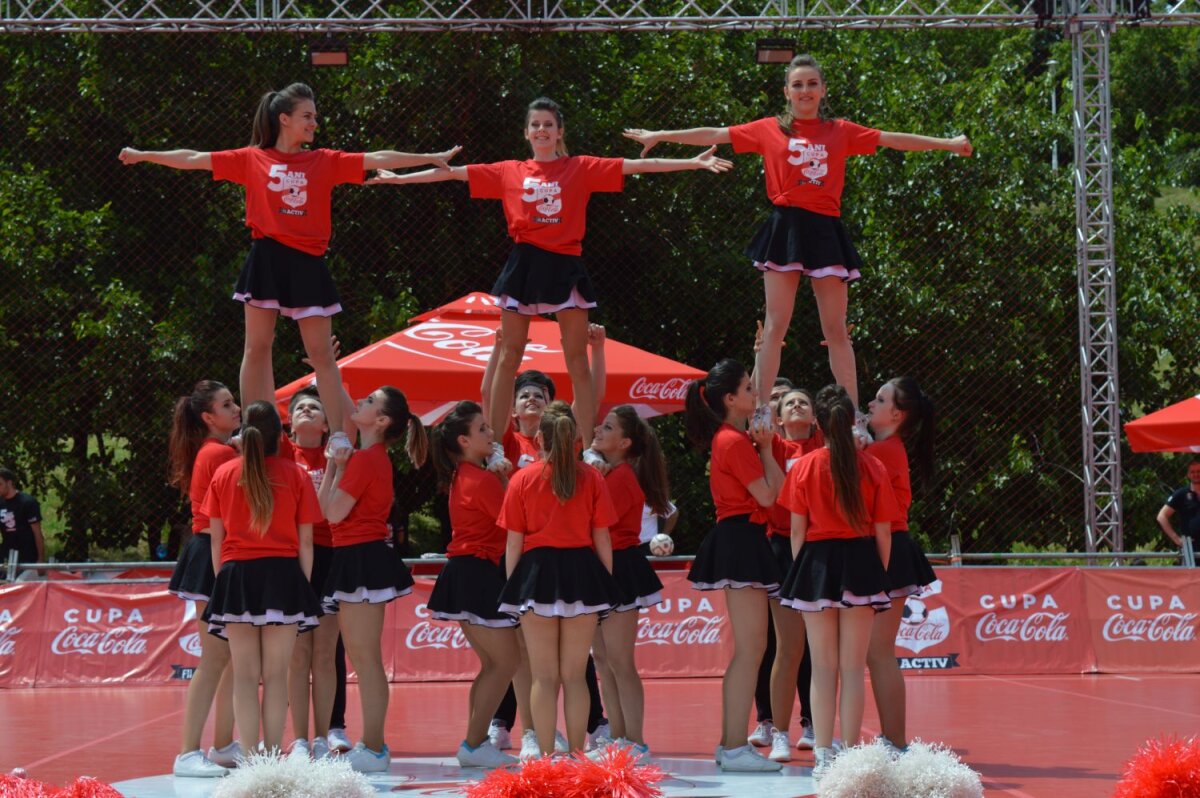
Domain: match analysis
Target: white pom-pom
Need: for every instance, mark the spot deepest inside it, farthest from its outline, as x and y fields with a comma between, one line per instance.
x=661, y=545
x=864, y=771
x=934, y=771
x=268, y=776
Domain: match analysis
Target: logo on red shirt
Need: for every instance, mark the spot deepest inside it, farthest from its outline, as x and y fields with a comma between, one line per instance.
x=812, y=156
x=546, y=195
x=293, y=187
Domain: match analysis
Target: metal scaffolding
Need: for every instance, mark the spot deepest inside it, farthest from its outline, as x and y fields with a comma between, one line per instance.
x=1089, y=24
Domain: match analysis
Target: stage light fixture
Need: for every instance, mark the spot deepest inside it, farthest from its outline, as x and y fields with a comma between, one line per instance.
x=774, y=51
x=329, y=51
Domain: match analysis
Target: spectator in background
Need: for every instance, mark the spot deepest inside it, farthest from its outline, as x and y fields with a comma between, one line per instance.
x=1185, y=503
x=20, y=522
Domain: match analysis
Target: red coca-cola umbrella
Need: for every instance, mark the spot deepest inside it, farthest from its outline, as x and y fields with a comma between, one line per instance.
x=439, y=360
x=1172, y=429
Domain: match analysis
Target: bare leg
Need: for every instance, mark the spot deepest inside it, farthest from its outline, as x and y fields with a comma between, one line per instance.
x=887, y=681
x=780, y=291
x=789, y=650
x=822, y=629
x=499, y=657
x=245, y=649
x=832, y=300
x=223, y=705
x=362, y=628
x=611, y=690
x=277, y=643
x=514, y=330
x=522, y=683
x=324, y=672
x=573, y=325
x=541, y=641
x=854, y=634
x=575, y=637
x=748, y=619
x=315, y=332
x=214, y=656
x=619, y=631
x=258, y=376
x=298, y=684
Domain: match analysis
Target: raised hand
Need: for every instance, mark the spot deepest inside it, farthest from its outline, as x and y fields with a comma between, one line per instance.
x=442, y=159
x=381, y=176
x=129, y=156
x=646, y=138
x=709, y=160
x=961, y=145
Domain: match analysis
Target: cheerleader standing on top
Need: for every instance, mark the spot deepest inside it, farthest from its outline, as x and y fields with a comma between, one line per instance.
x=804, y=151
x=261, y=509
x=365, y=574
x=288, y=190
x=201, y=427
x=842, y=508
x=636, y=477
x=901, y=419
x=559, y=560
x=734, y=556
x=784, y=663
x=468, y=588
x=545, y=202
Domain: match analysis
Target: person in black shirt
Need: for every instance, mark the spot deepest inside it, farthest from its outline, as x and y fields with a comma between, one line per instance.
x=20, y=522
x=1184, y=503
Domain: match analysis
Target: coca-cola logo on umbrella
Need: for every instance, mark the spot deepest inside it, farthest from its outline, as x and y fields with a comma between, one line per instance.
x=670, y=390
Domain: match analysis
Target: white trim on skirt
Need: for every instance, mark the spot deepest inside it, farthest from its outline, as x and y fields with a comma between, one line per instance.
x=559, y=609
x=183, y=594
x=638, y=603
x=268, y=618
x=906, y=591
x=736, y=585
x=292, y=313
x=575, y=300
x=880, y=601
x=362, y=596
x=475, y=620
x=838, y=271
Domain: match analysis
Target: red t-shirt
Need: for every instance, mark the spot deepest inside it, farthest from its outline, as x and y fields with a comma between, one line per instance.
x=808, y=491
x=545, y=202
x=787, y=453
x=295, y=503
x=628, y=499
x=808, y=169
x=211, y=456
x=288, y=194
x=368, y=478
x=734, y=465
x=891, y=452
x=531, y=508
x=476, y=497
x=312, y=460
x=520, y=449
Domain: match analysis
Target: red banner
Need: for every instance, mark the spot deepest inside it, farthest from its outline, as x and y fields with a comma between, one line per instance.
x=974, y=620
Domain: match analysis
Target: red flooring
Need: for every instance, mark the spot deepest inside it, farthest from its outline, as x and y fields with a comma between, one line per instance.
x=1053, y=736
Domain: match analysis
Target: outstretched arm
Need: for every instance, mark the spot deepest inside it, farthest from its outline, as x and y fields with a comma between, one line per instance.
x=390, y=159
x=427, y=176
x=699, y=136
x=706, y=160
x=959, y=145
x=176, y=159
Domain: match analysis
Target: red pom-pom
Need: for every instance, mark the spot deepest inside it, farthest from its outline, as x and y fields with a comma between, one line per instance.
x=18, y=786
x=1162, y=769
x=616, y=774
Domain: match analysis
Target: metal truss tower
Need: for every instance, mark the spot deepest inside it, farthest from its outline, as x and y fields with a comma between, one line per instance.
x=1089, y=24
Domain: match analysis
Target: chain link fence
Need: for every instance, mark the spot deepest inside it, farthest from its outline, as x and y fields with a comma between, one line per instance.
x=116, y=280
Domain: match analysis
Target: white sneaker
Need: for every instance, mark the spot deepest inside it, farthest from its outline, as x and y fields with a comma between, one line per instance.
x=895, y=751
x=364, y=760
x=195, y=765
x=561, y=746
x=639, y=751
x=807, y=740
x=499, y=736
x=320, y=749
x=781, y=747
x=747, y=760
x=338, y=741
x=485, y=755
x=761, y=736
x=298, y=749
x=824, y=760
x=226, y=757
x=529, y=746
x=600, y=738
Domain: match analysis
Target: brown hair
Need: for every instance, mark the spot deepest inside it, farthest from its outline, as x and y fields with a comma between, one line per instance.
x=261, y=430
x=704, y=404
x=649, y=463
x=265, y=131
x=786, y=118
x=188, y=431
x=558, y=440
x=917, y=428
x=395, y=407
x=445, y=449
x=546, y=104
x=835, y=415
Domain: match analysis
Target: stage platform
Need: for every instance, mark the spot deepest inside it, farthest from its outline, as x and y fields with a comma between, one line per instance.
x=1029, y=736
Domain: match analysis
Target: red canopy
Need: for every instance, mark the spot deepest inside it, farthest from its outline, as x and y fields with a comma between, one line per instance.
x=440, y=360
x=1172, y=429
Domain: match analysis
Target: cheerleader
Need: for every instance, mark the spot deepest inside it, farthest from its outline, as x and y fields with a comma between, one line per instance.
x=786, y=668
x=545, y=202
x=201, y=427
x=288, y=188
x=901, y=419
x=365, y=574
x=468, y=587
x=734, y=556
x=842, y=508
x=636, y=477
x=559, y=561
x=805, y=153
x=261, y=509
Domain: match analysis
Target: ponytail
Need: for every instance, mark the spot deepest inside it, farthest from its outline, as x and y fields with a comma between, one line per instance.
x=395, y=407
x=785, y=119
x=917, y=428
x=649, y=464
x=558, y=440
x=260, y=439
x=704, y=405
x=265, y=131
x=444, y=448
x=188, y=431
x=835, y=416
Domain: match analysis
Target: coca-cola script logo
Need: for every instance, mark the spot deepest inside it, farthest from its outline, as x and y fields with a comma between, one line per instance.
x=672, y=390
x=121, y=638
x=1044, y=625
x=690, y=630
x=428, y=633
x=191, y=644
x=8, y=640
x=920, y=626
x=1171, y=623
x=470, y=341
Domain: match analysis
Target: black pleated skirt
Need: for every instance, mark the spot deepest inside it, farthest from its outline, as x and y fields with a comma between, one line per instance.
x=636, y=580
x=270, y=591
x=735, y=553
x=365, y=573
x=536, y=281
x=836, y=574
x=193, y=576
x=909, y=571
x=560, y=583
x=468, y=589
x=795, y=239
x=295, y=283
